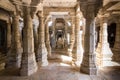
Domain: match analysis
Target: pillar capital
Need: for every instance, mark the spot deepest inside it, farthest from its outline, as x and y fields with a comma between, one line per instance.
x=40, y=14
x=103, y=19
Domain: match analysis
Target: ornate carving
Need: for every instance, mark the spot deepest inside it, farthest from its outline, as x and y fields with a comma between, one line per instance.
x=41, y=55
x=28, y=65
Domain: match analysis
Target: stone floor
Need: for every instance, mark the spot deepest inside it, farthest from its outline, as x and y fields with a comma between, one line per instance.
x=61, y=68
x=110, y=73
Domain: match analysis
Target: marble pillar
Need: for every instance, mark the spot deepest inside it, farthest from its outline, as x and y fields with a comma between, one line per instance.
x=66, y=37
x=41, y=55
x=47, y=40
x=35, y=33
x=78, y=40
x=103, y=51
x=28, y=64
x=9, y=35
x=88, y=63
x=72, y=40
x=116, y=48
x=15, y=52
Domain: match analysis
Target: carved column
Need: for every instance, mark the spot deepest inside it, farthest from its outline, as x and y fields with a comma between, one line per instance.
x=47, y=39
x=41, y=55
x=9, y=34
x=72, y=39
x=78, y=39
x=35, y=32
x=88, y=64
x=116, y=48
x=28, y=65
x=15, y=52
x=103, y=50
x=66, y=38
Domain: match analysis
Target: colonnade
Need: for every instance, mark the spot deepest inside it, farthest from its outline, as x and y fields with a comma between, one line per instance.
x=26, y=58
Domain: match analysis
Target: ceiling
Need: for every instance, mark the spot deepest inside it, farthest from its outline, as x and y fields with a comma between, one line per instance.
x=114, y=9
x=59, y=3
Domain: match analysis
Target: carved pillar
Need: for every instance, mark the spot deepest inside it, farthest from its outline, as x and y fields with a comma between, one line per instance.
x=66, y=37
x=88, y=63
x=28, y=65
x=35, y=32
x=103, y=50
x=41, y=55
x=116, y=48
x=72, y=39
x=78, y=40
x=53, y=39
x=9, y=34
x=47, y=39
x=15, y=52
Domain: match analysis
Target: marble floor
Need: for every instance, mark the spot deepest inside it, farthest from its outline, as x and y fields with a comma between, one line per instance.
x=61, y=68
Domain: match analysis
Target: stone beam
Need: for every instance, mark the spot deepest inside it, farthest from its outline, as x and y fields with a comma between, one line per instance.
x=108, y=2
x=7, y=5
x=47, y=10
x=107, y=6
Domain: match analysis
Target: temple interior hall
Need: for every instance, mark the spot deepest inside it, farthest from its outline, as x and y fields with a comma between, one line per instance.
x=59, y=39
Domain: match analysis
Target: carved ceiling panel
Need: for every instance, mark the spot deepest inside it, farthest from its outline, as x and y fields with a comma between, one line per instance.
x=59, y=3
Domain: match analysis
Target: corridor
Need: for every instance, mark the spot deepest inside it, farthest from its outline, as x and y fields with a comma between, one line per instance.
x=61, y=67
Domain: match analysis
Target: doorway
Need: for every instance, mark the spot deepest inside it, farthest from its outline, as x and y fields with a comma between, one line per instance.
x=3, y=36
x=111, y=34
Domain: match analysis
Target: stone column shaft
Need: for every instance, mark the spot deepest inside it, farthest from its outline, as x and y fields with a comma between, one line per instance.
x=72, y=39
x=48, y=40
x=66, y=37
x=35, y=32
x=9, y=35
x=15, y=52
x=88, y=63
x=28, y=65
x=78, y=40
x=103, y=50
x=41, y=55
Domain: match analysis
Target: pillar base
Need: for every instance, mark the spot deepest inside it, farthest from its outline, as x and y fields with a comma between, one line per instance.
x=69, y=52
x=41, y=56
x=88, y=70
x=88, y=65
x=116, y=54
x=14, y=58
x=28, y=65
x=104, y=55
x=79, y=56
x=48, y=49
